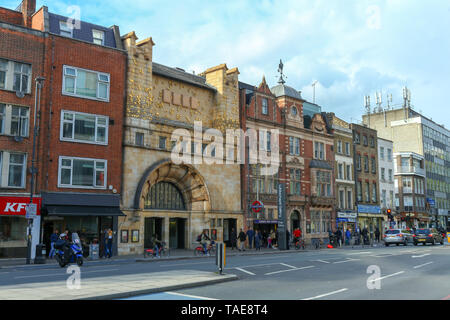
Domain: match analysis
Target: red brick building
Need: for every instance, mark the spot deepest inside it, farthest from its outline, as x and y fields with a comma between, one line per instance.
x=306, y=155
x=80, y=141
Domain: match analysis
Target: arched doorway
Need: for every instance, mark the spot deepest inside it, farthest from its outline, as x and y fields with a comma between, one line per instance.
x=168, y=194
x=295, y=220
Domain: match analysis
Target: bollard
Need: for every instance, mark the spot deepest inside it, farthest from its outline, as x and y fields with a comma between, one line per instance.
x=220, y=256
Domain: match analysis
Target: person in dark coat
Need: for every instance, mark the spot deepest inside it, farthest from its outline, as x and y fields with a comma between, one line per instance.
x=258, y=239
x=242, y=238
x=233, y=238
x=377, y=234
x=250, y=236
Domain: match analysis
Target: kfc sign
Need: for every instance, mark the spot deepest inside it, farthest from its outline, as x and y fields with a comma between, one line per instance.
x=16, y=206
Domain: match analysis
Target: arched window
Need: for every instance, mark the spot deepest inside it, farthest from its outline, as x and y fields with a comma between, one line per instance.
x=166, y=196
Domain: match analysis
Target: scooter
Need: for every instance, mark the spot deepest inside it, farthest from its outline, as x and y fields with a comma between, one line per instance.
x=75, y=248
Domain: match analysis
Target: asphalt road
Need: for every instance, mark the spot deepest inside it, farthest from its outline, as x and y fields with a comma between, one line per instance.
x=398, y=273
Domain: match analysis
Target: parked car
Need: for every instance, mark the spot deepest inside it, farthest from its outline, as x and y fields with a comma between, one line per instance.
x=397, y=236
x=430, y=235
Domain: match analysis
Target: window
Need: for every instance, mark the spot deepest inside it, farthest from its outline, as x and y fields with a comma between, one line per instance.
x=383, y=199
x=265, y=107
x=382, y=153
x=16, y=167
x=339, y=146
x=390, y=175
x=295, y=183
x=139, y=139
x=22, y=73
x=373, y=165
x=359, y=191
x=389, y=154
x=99, y=37
x=323, y=183
x=164, y=195
x=294, y=111
x=269, y=136
x=162, y=143
x=383, y=174
x=358, y=164
x=86, y=84
x=340, y=174
x=372, y=142
x=347, y=148
x=367, y=192
x=341, y=199
x=82, y=173
x=14, y=120
x=66, y=29
x=366, y=163
x=291, y=145
x=365, y=140
x=349, y=200
x=349, y=172
x=3, y=71
x=357, y=138
x=83, y=127
x=319, y=150
x=297, y=146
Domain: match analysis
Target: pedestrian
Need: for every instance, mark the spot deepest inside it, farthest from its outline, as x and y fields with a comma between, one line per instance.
x=258, y=238
x=250, y=236
x=233, y=238
x=348, y=236
x=109, y=242
x=365, y=233
x=242, y=238
x=156, y=243
x=377, y=234
x=339, y=236
x=269, y=239
x=53, y=238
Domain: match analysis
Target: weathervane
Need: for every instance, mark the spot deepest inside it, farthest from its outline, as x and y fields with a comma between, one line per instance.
x=280, y=70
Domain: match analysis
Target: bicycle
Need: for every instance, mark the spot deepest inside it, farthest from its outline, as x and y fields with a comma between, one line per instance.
x=299, y=243
x=210, y=248
x=163, y=251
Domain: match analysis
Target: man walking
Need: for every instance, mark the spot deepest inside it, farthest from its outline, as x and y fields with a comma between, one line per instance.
x=250, y=235
x=258, y=239
x=348, y=236
x=53, y=238
x=377, y=235
x=242, y=238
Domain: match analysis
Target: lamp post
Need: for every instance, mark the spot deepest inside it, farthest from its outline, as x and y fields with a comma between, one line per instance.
x=37, y=102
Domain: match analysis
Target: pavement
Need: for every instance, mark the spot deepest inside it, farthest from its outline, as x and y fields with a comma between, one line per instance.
x=105, y=288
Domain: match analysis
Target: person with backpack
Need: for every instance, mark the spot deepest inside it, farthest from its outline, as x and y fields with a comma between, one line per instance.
x=242, y=237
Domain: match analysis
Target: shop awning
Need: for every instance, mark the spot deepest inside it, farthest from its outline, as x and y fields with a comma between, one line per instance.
x=61, y=211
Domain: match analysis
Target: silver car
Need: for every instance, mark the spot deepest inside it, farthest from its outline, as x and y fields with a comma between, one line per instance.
x=397, y=236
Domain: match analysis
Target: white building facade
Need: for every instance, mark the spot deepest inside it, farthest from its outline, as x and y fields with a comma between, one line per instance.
x=386, y=175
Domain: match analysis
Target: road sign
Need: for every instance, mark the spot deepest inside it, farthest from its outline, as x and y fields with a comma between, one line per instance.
x=257, y=206
x=31, y=211
x=431, y=202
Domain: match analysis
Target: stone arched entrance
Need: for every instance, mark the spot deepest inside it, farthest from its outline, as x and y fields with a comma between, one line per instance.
x=172, y=199
x=295, y=220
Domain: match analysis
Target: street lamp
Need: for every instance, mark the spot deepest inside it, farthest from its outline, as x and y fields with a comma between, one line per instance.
x=37, y=103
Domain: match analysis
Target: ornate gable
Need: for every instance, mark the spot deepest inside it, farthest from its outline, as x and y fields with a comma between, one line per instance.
x=318, y=124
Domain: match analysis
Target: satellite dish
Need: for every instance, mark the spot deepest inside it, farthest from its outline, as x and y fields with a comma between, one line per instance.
x=20, y=94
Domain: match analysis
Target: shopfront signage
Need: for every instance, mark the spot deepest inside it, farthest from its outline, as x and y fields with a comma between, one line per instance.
x=348, y=215
x=17, y=206
x=369, y=209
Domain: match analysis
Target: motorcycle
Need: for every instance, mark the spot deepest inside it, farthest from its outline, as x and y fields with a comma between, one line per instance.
x=74, y=248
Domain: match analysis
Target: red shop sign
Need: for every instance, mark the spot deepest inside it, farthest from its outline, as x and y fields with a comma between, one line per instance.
x=16, y=206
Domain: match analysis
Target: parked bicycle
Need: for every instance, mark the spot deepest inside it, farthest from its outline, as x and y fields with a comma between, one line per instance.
x=299, y=244
x=210, y=248
x=163, y=251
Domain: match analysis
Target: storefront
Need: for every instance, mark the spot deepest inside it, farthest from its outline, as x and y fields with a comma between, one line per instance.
x=89, y=215
x=346, y=220
x=370, y=217
x=14, y=226
x=265, y=227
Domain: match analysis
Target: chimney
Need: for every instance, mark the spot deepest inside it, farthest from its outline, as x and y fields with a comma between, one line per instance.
x=28, y=8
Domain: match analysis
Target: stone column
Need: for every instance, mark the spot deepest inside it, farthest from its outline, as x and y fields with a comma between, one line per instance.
x=165, y=229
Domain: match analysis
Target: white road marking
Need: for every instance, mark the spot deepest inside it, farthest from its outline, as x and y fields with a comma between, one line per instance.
x=259, y=265
x=270, y=273
x=348, y=260
x=323, y=261
x=422, y=265
x=183, y=264
x=62, y=274
x=289, y=266
x=245, y=271
x=326, y=294
x=421, y=256
x=364, y=252
x=189, y=296
x=388, y=276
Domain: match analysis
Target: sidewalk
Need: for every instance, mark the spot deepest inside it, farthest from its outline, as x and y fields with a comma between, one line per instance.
x=114, y=287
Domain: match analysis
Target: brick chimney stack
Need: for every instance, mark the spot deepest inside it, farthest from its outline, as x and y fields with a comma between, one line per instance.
x=28, y=8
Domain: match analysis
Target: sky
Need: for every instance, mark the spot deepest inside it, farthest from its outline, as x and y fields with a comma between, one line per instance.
x=352, y=48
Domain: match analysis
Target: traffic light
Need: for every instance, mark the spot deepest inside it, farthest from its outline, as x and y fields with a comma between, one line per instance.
x=389, y=213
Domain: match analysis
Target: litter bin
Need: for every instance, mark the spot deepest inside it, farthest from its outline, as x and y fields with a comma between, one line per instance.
x=40, y=256
x=93, y=251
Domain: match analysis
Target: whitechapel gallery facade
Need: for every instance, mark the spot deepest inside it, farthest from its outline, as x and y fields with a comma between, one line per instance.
x=175, y=202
